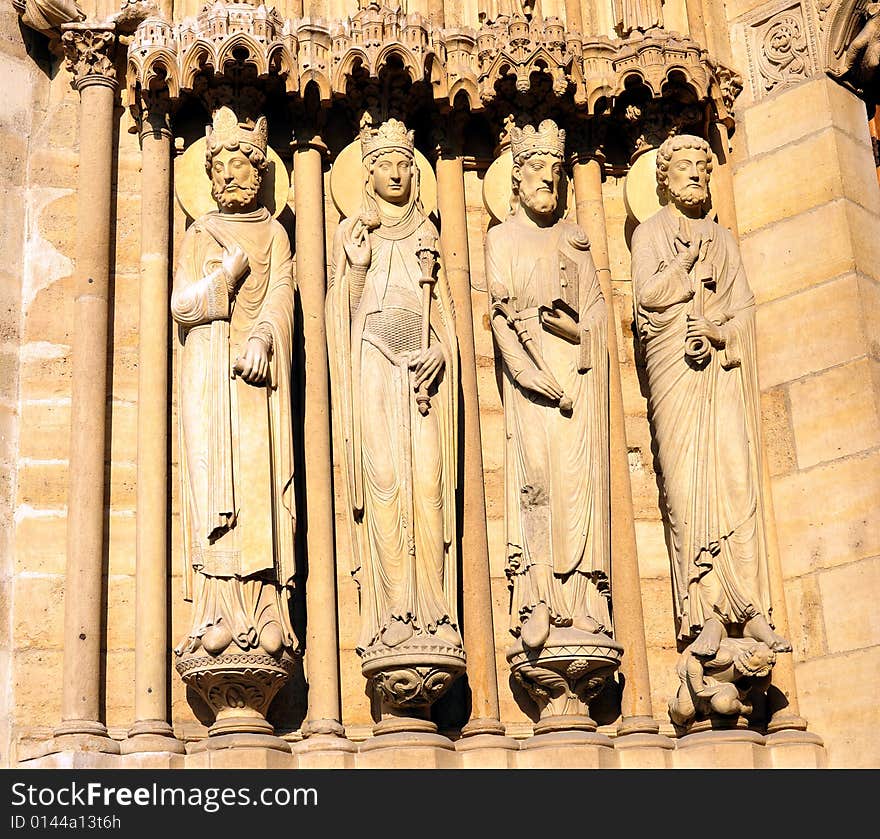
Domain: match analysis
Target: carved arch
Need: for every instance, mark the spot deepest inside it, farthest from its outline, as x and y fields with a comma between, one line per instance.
x=410, y=64
x=256, y=53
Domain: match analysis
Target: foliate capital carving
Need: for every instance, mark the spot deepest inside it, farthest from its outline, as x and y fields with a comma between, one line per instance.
x=155, y=112
x=89, y=51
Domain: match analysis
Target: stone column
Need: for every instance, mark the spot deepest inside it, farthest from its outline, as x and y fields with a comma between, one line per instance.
x=322, y=648
x=637, y=716
x=89, y=50
x=479, y=637
x=151, y=731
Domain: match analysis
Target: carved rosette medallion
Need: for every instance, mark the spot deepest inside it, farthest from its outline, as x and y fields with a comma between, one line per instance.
x=782, y=47
x=409, y=678
x=89, y=51
x=564, y=675
x=238, y=687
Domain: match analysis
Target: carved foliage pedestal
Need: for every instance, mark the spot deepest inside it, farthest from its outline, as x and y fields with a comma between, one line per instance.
x=564, y=675
x=238, y=686
x=407, y=679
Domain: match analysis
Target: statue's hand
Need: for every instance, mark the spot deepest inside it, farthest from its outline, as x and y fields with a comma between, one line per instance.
x=356, y=241
x=253, y=366
x=540, y=382
x=427, y=364
x=560, y=323
x=702, y=328
x=235, y=263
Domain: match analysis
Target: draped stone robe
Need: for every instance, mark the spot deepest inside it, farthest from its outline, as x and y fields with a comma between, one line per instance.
x=557, y=478
x=400, y=467
x=236, y=461
x=706, y=421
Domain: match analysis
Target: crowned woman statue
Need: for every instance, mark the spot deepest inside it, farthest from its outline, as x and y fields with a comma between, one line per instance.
x=394, y=369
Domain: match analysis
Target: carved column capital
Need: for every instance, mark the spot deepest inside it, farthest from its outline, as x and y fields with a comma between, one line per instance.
x=89, y=49
x=155, y=113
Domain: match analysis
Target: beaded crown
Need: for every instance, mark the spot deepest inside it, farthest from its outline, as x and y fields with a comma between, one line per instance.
x=547, y=137
x=391, y=135
x=227, y=130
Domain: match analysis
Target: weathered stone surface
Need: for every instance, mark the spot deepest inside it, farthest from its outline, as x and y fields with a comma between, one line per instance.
x=806, y=618
x=651, y=542
x=829, y=156
x=851, y=591
x=828, y=515
x=852, y=715
x=824, y=405
x=37, y=618
x=778, y=264
x=778, y=436
x=831, y=310
x=802, y=110
x=32, y=671
x=41, y=544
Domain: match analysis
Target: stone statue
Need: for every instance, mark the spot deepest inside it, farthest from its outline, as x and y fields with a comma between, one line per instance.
x=549, y=320
x=233, y=302
x=695, y=315
x=861, y=62
x=394, y=371
x=720, y=686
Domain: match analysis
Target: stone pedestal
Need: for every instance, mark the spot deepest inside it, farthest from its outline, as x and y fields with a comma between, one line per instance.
x=564, y=675
x=407, y=679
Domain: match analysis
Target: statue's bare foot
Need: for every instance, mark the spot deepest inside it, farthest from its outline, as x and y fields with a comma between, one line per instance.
x=536, y=627
x=758, y=628
x=709, y=639
x=448, y=633
x=397, y=633
x=587, y=624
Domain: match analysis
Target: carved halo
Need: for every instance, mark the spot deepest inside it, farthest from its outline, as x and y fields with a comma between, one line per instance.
x=346, y=181
x=497, y=189
x=192, y=186
x=640, y=195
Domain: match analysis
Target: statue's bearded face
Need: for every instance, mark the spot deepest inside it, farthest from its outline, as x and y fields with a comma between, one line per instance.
x=392, y=177
x=688, y=177
x=235, y=181
x=538, y=177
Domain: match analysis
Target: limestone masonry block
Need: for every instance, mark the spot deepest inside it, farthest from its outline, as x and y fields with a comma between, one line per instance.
x=120, y=688
x=120, y=612
x=759, y=198
x=801, y=110
x=828, y=515
x=806, y=618
x=777, y=263
x=852, y=715
x=36, y=682
x=809, y=331
x=42, y=484
x=851, y=590
x=835, y=413
x=41, y=544
x=45, y=430
x=37, y=620
x=778, y=436
x=651, y=543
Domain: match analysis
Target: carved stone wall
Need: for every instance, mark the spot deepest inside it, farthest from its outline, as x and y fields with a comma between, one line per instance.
x=817, y=325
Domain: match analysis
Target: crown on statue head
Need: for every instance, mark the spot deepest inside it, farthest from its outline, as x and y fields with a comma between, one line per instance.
x=227, y=131
x=391, y=135
x=547, y=138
